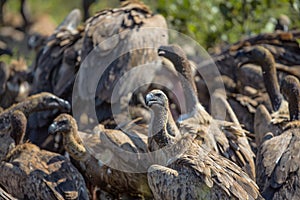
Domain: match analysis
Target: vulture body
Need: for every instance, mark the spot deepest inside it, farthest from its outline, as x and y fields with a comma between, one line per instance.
x=285, y=50
x=35, y=103
x=116, y=43
x=226, y=138
x=55, y=71
x=29, y=172
x=14, y=84
x=102, y=157
x=264, y=88
x=278, y=156
x=194, y=173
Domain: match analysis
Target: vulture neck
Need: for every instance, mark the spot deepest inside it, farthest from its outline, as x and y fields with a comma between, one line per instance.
x=158, y=128
x=18, y=124
x=27, y=106
x=171, y=126
x=34, y=104
x=271, y=82
x=74, y=146
x=292, y=94
x=184, y=69
x=4, y=75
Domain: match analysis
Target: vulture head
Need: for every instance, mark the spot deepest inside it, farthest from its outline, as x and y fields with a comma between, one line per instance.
x=290, y=88
x=156, y=98
x=64, y=124
x=4, y=74
x=48, y=100
x=174, y=53
x=18, y=123
x=256, y=55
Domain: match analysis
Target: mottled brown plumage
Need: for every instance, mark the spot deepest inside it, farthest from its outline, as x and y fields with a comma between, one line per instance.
x=262, y=122
x=264, y=88
x=14, y=83
x=263, y=57
x=283, y=46
x=5, y=196
x=278, y=157
x=58, y=61
x=38, y=102
x=29, y=172
x=35, y=103
x=116, y=41
x=223, y=137
x=102, y=159
x=194, y=173
x=219, y=105
x=55, y=71
x=4, y=75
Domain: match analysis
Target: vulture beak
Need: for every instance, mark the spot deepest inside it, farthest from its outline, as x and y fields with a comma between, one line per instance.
x=52, y=128
x=63, y=105
x=161, y=52
x=149, y=99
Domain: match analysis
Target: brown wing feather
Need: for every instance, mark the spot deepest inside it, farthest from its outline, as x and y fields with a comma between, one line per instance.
x=101, y=32
x=278, y=164
x=199, y=174
x=27, y=167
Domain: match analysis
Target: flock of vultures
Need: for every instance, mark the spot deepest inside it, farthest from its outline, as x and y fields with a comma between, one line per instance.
x=232, y=136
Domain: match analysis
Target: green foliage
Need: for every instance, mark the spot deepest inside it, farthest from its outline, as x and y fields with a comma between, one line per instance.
x=210, y=22
x=213, y=22
x=57, y=9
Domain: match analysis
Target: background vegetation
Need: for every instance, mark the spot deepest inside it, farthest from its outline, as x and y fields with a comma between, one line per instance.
x=210, y=22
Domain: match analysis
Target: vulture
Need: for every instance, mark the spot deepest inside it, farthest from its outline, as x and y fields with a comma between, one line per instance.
x=283, y=46
x=271, y=100
x=4, y=75
x=119, y=57
x=4, y=49
x=57, y=62
x=36, y=103
x=55, y=70
x=23, y=10
x=86, y=8
x=14, y=84
x=278, y=156
x=195, y=172
x=283, y=22
x=27, y=172
x=249, y=95
x=225, y=138
x=263, y=57
x=106, y=158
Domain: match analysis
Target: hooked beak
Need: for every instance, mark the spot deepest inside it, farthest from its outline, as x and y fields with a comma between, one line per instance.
x=52, y=128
